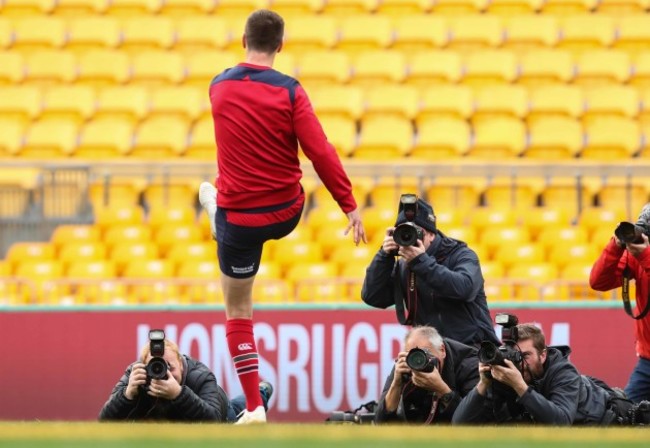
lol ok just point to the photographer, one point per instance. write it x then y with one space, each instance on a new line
430 377
186 391
534 383
627 256
437 280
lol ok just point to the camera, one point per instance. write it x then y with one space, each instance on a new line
157 367
629 233
421 360
364 414
489 353
408 233
639 414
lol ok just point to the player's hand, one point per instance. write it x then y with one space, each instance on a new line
137 378
359 234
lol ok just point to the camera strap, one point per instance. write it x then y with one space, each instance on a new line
434 407
625 294
405 307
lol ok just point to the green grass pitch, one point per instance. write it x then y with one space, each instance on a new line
156 435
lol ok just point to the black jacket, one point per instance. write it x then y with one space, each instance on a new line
201 399
560 397
460 372
449 286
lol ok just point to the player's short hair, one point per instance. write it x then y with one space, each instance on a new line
264 31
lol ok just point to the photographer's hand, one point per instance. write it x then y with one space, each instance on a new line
637 249
431 381
510 376
137 378
410 252
484 381
389 245
391 401
169 389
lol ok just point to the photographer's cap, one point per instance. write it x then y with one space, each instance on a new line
424 216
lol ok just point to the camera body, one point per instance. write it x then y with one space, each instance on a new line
639 414
408 233
351 417
489 353
629 233
157 367
421 360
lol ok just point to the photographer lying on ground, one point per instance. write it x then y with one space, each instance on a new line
436 281
524 381
430 377
165 385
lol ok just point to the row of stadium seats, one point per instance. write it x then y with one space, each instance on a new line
337 8
351 34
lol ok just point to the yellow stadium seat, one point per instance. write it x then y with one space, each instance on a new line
203 66
187 8
345 8
201 33
123 252
202 144
73 103
130 8
41 276
301 234
446 101
594 218
12 67
386 191
23 103
489 68
448 217
378 68
510 253
27 8
565 235
568 7
310 33
11 137
315 282
556 101
160 137
182 252
576 277
6 32
623 8
597 68
376 219
633 34
50 139
30 251
359 33
611 101
495 285
103 68
384 138
475 32
105 138
418 33
164 216
152 281
157 67
499 137
123 102
554 138
613 138
94 281
118 215
239 9
494 237
78 252
508 192
350 254
441 138
341 132
291 8
183 102
392 100
75 234
468 235
179 193
640 78
324 68
399 8
272 291
481 218
48 67
500 101
80 8
326 216
563 254
530 32
93 33
511 8
148 33
458 193
434 66
330 238
537 219
200 281
292 253
123 233
631 194
458 7
586 32
543 67
166 235
38 33
534 281
567 193
338 101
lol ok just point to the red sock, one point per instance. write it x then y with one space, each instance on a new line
241 343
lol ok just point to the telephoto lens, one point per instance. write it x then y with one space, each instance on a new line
421 360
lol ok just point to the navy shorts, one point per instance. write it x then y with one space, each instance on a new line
241 234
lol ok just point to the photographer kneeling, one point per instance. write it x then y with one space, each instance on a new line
524 381
429 379
166 385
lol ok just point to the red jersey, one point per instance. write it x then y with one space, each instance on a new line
260 116
607 274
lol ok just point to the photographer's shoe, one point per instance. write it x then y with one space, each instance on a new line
208 200
266 391
252 417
